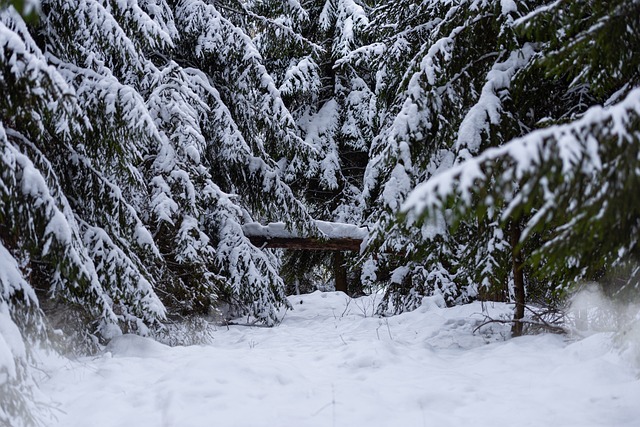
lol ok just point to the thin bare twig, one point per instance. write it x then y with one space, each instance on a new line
346 306
538 316
551 328
386 321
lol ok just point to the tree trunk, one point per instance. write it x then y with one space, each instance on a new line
340 272
518 280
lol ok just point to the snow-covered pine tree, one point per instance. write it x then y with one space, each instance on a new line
444 76
211 116
255 145
41 238
570 185
122 146
42 123
21 323
307 48
330 103
136 138
99 169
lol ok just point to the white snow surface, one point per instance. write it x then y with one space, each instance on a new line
330 363
331 230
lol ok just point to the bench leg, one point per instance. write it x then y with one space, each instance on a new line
340 271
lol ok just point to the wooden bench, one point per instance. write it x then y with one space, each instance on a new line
337 237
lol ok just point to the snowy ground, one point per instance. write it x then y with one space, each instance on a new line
331 364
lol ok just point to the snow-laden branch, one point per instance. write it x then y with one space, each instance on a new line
573 145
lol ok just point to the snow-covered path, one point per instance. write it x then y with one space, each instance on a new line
329 365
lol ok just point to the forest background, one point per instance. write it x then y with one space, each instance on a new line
491 148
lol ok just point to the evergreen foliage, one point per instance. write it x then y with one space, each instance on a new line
330 94
490 146
327 91
568 188
136 139
444 81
